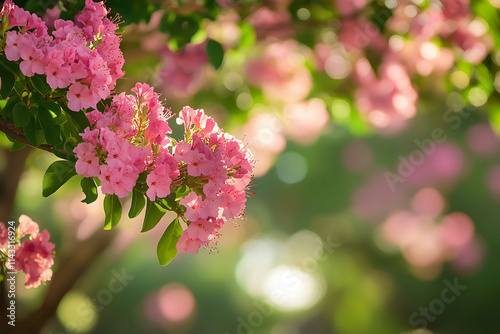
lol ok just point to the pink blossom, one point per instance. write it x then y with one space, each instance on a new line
14 41
87 163
33 61
160 179
198 234
57 76
194 205
79 97
27 226
35 258
198 163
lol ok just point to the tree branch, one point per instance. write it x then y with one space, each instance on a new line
18 134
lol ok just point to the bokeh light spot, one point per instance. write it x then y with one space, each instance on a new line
291 167
341 108
76 312
460 79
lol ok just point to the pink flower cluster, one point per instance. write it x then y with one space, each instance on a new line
218 169
131 137
83 55
119 144
388 100
427 238
34 256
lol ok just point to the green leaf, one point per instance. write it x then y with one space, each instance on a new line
112 211
247 35
21 115
169 202
40 84
16 146
79 119
30 130
138 202
6 112
166 249
55 109
10 66
89 188
51 130
182 191
8 81
154 212
215 53
56 175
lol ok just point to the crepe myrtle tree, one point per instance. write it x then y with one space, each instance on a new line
58 94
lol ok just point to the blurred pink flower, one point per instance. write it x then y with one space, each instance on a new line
428 202
455 9
358 34
4 236
183 72
357 157
493 180
225 29
389 100
441 168
280 72
271 24
374 200
263 135
471 40
304 121
425 58
27 226
348 7
424 239
172 304
481 139
334 61
471 256
51 15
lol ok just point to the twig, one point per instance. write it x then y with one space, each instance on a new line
18 134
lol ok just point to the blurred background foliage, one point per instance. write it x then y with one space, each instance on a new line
373 192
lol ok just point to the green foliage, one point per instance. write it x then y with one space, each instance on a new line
56 175
181 29
8 81
48 121
154 212
138 203
166 249
21 115
112 211
215 53
89 188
